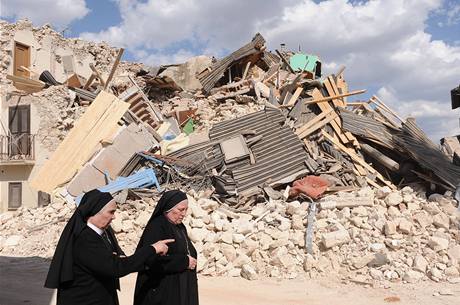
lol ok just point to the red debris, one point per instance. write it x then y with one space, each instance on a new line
312 186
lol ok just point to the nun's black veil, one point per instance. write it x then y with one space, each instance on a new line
167 201
61 268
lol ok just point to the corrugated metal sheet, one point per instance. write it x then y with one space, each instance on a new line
278 154
366 127
270 59
203 156
218 69
420 148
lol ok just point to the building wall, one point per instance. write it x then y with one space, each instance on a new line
17 173
20 172
42 57
46 55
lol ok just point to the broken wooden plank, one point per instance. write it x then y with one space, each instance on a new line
98 122
360 169
98 75
295 96
285 61
90 80
376 100
114 68
245 73
380 157
318 125
373 183
336 123
329 98
313 121
333 91
357 158
35 74
26 81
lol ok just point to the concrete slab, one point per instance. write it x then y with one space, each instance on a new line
87 179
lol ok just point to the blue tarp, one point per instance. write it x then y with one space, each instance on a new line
144 178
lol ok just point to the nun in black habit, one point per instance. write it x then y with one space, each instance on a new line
170 279
88 261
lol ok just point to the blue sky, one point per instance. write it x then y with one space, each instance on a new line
405 51
105 13
102 14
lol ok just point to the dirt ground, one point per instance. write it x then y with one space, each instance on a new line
22 278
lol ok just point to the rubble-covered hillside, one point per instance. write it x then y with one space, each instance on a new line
287 176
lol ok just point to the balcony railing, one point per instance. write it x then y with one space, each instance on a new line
17 147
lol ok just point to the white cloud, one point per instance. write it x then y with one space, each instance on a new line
57 12
383 43
159 58
450 13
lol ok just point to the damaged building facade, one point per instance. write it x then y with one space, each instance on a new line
27 136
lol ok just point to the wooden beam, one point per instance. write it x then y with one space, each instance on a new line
373 183
295 96
98 75
377 101
360 169
329 98
89 81
246 70
357 103
28 70
285 61
336 123
318 125
383 159
387 120
26 81
357 159
332 89
114 67
313 121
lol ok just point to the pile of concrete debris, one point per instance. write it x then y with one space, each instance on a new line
368 237
261 142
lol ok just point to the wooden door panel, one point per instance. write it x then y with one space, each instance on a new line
21 58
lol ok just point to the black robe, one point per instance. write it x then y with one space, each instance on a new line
97 269
167 280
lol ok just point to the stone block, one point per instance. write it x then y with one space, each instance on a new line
335 238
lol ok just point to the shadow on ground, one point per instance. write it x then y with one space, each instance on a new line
22 280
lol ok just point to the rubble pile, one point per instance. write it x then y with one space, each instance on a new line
286 176
55 105
368 236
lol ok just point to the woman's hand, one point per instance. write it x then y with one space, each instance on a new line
161 246
191 262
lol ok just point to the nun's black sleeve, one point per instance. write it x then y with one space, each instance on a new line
173 263
170 263
93 254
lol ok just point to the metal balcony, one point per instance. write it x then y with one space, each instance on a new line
17 148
